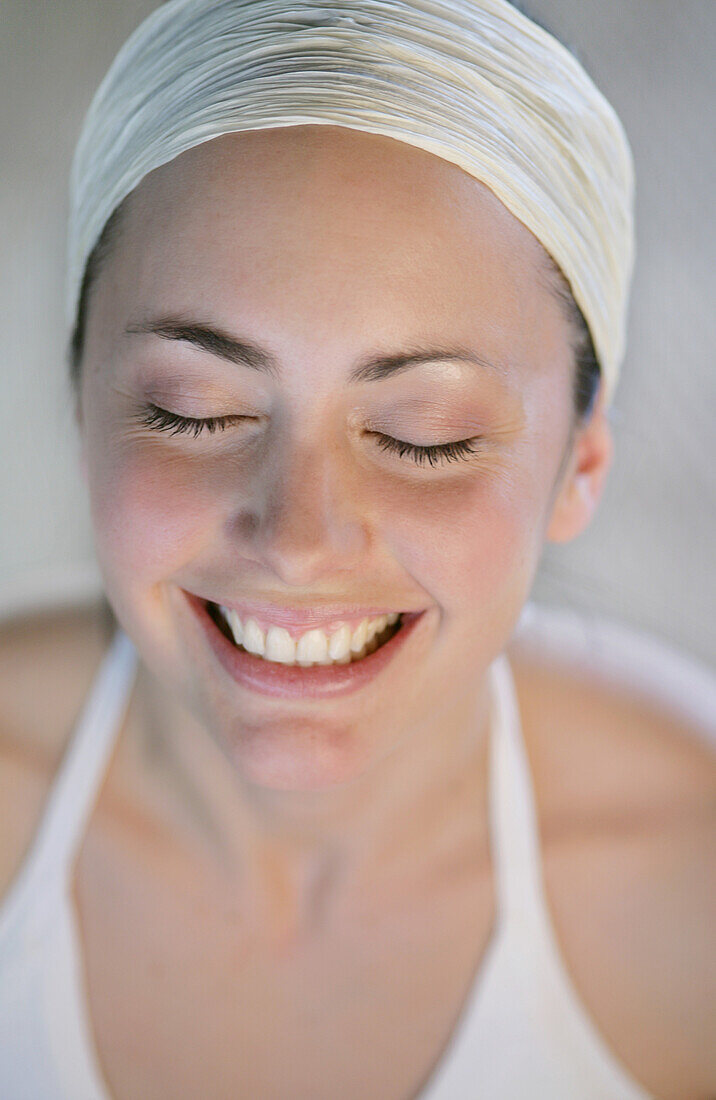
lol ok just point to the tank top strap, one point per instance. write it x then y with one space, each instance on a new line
514 829
79 776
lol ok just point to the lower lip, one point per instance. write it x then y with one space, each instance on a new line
291 681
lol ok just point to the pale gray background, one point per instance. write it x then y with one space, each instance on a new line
647 558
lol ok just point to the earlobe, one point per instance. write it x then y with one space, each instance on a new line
584 480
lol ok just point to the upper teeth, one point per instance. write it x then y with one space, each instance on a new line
313 647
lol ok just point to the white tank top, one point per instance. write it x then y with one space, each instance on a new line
522 1031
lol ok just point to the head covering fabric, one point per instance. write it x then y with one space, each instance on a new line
475 82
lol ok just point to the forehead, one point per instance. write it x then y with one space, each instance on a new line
321 229
327 191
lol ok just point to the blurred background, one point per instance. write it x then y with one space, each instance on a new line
647 559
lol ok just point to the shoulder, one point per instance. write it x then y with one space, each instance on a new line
625 788
47 663
611 729
601 745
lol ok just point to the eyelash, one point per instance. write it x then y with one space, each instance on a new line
438 453
162 420
461 449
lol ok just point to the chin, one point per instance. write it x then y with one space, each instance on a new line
295 758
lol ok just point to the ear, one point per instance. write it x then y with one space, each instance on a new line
584 478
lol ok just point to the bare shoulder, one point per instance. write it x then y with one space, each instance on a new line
47 663
626 800
598 746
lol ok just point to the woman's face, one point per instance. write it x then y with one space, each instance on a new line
324 246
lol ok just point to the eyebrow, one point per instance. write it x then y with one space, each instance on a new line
370 368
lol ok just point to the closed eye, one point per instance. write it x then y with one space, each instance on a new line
436 454
162 420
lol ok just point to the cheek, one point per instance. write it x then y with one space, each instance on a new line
152 511
476 545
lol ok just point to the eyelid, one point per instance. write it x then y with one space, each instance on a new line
436 453
159 419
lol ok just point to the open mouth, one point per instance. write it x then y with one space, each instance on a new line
360 646
339 670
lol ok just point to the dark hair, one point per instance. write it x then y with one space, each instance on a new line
95 263
587 373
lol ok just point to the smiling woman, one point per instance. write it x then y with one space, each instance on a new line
347 290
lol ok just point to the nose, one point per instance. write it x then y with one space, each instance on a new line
306 519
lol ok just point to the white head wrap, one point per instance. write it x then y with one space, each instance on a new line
472 81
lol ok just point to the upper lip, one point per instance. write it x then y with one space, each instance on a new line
305 618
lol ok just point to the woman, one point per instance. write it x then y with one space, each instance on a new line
344 346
